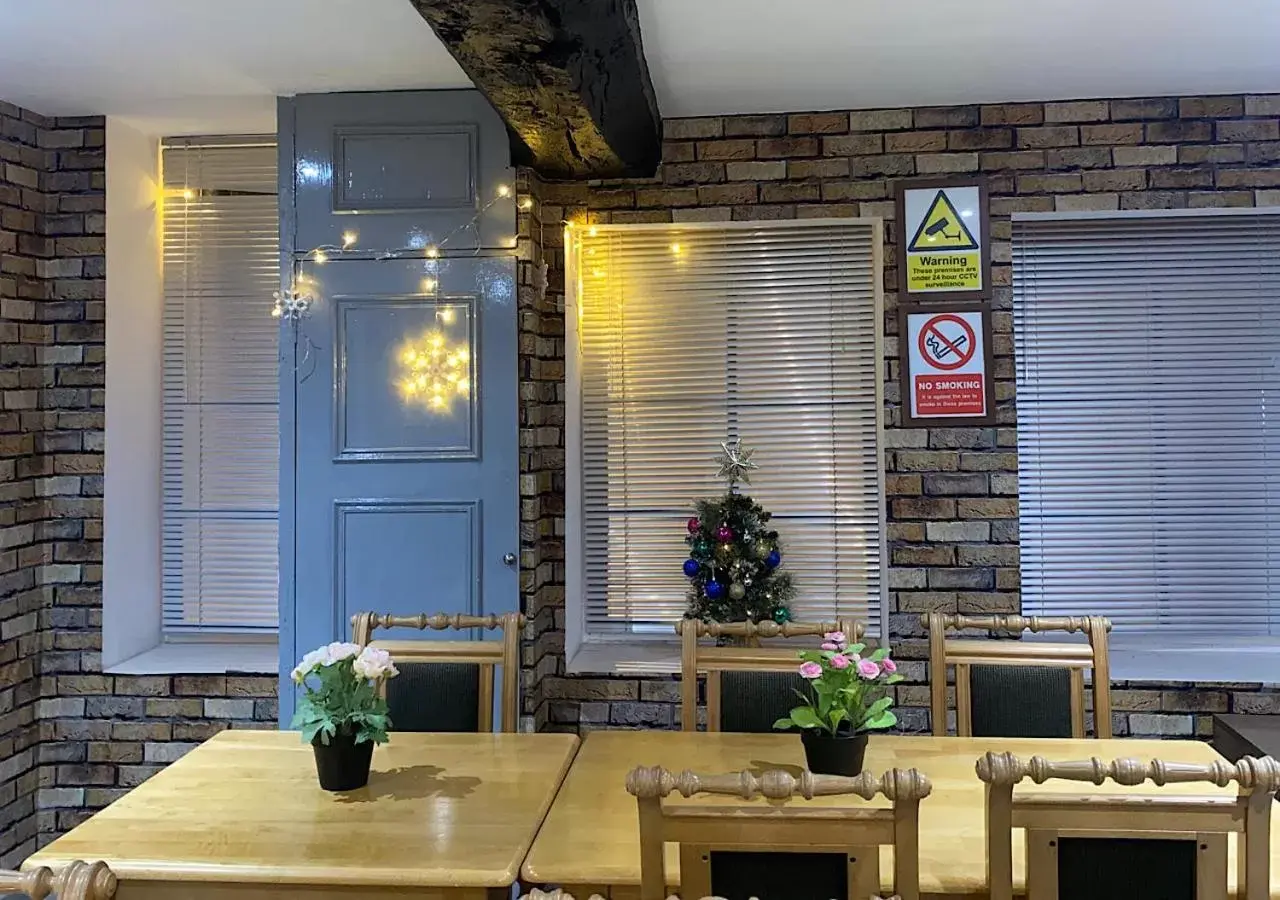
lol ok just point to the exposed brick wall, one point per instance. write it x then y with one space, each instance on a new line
952 492
71 738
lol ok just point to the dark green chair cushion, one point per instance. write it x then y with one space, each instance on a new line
753 701
435 697
1126 869
737 875
1020 701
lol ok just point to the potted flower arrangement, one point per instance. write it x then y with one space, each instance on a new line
341 713
846 701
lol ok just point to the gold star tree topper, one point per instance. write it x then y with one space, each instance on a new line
735 462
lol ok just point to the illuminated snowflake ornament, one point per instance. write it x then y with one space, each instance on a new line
291 305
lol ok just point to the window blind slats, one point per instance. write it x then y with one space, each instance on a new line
688 336
1148 403
220 389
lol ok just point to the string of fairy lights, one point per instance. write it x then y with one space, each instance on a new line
433 372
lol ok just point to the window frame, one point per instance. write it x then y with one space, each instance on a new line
133 642
638 654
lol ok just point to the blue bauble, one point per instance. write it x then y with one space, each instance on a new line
773 559
691 567
714 589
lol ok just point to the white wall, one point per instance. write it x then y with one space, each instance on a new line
131 528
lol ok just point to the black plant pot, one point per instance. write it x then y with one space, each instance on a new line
342 764
839 755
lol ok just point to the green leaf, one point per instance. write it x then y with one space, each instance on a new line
838 716
805 717
886 719
854 648
893 679
784 722
879 654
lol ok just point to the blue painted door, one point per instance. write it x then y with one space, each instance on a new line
401 485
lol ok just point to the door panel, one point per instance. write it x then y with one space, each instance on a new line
402 169
403 454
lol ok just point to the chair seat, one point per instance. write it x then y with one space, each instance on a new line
1020 701
752 701
741 875
435 697
1126 869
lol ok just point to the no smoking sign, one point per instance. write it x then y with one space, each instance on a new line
946 373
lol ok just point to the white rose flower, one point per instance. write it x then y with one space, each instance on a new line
374 663
338 651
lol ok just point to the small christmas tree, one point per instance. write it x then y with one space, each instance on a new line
733 553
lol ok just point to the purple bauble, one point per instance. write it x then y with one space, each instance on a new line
691 567
724 534
773 559
693 525
714 589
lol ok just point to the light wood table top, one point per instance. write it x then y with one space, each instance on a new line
440 810
591 836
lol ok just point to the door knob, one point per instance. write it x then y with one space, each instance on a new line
509 559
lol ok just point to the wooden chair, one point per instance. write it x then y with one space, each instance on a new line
1185 836
855 833
761 680
1013 688
76 881
455 678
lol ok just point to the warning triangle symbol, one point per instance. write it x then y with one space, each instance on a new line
942 228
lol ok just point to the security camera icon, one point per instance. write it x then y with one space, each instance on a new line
940 228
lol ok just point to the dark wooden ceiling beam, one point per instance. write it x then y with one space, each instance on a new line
568 76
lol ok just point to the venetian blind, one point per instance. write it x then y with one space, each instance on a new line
220 383
687 336
1148 438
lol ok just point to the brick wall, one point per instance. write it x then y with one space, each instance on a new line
952 492
71 738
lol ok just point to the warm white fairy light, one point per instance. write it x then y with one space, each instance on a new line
446 315
320 255
526 203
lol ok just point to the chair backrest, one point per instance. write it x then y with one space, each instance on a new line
746 656
75 881
484 655
699 829
1034 672
1200 823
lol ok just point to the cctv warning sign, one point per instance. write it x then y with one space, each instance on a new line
945 231
946 364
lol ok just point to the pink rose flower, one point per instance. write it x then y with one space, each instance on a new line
827 645
840 662
835 637
810 670
867 669
888 665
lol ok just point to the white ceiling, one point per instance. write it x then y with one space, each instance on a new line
189 66
212 66
720 56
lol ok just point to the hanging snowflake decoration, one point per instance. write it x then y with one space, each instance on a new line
291 305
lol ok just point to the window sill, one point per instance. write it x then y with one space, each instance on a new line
1195 658
251 658
602 658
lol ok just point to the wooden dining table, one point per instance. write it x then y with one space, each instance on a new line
242 817
590 840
